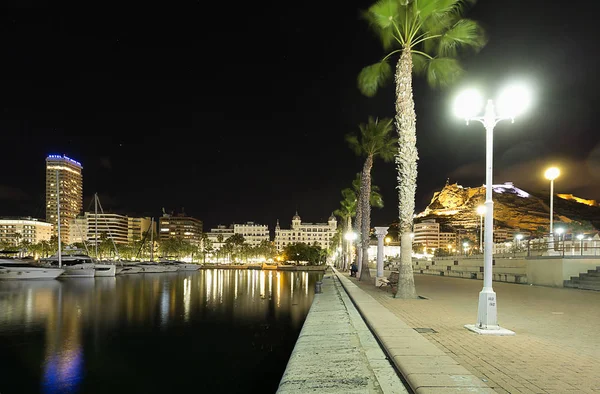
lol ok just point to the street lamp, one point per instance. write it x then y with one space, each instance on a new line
559 231
481 212
513 101
551 174
465 246
580 238
519 237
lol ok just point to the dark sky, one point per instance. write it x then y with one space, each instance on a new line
237 110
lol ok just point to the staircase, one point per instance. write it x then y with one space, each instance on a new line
587 281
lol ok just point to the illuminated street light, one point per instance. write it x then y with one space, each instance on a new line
551 174
512 101
350 236
388 240
481 212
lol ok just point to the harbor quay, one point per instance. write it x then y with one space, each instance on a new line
555 349
336 352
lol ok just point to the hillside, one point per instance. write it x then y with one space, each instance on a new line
456 206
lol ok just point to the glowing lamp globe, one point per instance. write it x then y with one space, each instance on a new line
481 210
559 230
513 101
350 236
552 173
468 104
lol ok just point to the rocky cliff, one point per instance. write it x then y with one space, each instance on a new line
456 206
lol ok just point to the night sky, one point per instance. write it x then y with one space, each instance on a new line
238 112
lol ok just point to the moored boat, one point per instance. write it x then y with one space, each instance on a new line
19 270
151 268
128 269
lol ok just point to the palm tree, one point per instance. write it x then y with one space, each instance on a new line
374 141
346 211
375 200
428 34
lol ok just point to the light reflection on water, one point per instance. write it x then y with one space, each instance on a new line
75 331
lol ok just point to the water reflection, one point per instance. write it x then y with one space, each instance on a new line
75 331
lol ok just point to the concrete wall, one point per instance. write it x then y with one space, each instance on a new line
554 271
548 271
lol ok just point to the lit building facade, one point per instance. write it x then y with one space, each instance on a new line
307 233
219 235
427 234
180 226
138 227
253 233
122 229
70 192
17 230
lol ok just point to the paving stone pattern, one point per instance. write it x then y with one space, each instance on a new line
556 348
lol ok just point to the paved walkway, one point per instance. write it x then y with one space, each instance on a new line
336 352
556 348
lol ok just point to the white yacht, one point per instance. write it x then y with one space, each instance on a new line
188 267
80 266
128 269
149 267
181 266
17 269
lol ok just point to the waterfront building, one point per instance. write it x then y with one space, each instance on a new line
253 233
180 226
427 234
13 231
137 227
70 192
307 233
221 232
121 228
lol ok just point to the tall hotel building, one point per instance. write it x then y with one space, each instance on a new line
70 192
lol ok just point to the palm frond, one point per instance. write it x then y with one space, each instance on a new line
419 63
465 33
376 200
443 71
354 144
373 77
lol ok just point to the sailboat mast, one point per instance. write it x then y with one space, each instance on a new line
96 222
58 222
152 239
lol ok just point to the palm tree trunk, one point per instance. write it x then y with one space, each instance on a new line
365 208
348 244
406 162
358 224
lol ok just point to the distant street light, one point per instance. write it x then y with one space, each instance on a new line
551 174
481 212
519 237
512 101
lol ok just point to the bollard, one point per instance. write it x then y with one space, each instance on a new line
318 287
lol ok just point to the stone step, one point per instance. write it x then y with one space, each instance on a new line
590 286
586 280
593 273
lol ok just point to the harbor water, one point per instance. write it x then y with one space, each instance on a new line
226 331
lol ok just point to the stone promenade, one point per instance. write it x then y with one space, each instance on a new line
556 348
336 352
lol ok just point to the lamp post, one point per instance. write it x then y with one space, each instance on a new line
468 105
519 237
551 174
481 212
350 236
580 238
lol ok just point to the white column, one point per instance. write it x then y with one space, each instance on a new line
381 232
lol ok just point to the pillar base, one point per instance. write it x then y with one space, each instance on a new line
487 318
487 331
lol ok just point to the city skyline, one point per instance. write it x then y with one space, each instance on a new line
157 122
